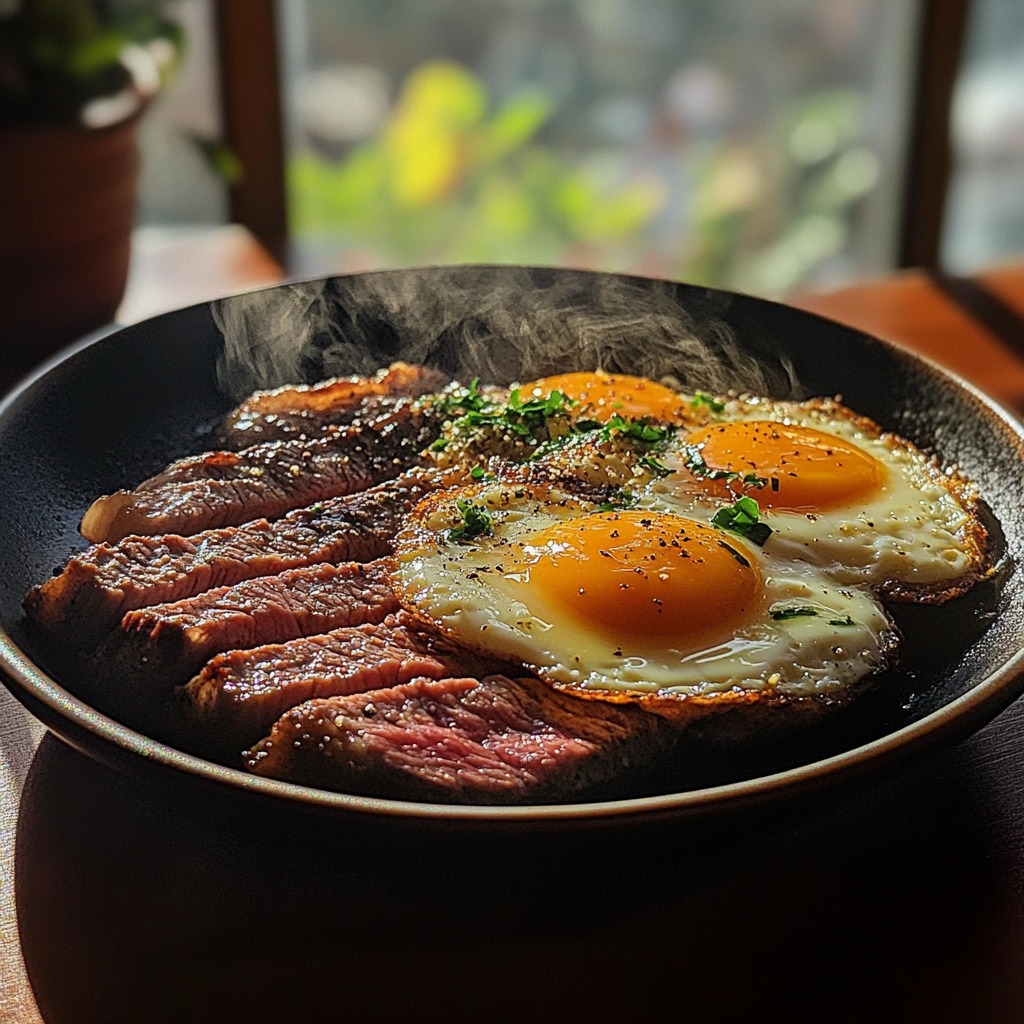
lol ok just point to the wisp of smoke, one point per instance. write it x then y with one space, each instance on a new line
498 323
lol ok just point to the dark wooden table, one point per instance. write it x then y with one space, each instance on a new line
898 898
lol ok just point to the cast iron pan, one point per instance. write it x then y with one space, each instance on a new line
118 407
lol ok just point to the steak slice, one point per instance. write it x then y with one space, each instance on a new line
265 480
164 645
309 409
239 694
97 586
495 740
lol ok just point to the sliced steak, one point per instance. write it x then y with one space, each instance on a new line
491 741
164 645
239 694
98 586
310 409
265 480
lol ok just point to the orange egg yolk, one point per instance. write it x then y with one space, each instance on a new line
604 395
643 577
805 469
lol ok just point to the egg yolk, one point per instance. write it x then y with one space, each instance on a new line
643 577
604 395
804 468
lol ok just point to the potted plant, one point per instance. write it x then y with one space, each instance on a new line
75 78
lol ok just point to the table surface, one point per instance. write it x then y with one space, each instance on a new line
893 900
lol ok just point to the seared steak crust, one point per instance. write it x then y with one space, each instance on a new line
494 740
166 644
241 693
98 586
265 480
310 409
247 593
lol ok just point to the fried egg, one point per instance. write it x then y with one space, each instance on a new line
835 491
634 605
489 425
601 396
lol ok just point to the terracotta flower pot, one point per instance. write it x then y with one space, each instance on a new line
67 202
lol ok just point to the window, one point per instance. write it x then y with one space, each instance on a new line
756 145
985 212
750 145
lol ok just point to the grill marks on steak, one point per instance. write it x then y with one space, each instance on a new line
265 480
166 644
494 740
97 587
311 409
239 694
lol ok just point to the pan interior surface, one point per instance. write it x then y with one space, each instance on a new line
125 405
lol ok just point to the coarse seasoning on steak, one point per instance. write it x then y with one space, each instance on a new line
239 694
248 593
266 480
98 586
495 740
161 646
311 409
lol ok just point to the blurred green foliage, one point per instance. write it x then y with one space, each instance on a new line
452 177
448 179
771 209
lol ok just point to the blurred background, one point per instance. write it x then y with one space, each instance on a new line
754 144
762 145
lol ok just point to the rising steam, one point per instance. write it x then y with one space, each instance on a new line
500 324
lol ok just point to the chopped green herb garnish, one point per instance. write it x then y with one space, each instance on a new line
793 613
478 472
844 621
735 554
743 518
656 466
519 417
476 520
638 431
703 398
799 610
748 507
635 430
553 444
618 500
529 420
466 400
541 408
695 462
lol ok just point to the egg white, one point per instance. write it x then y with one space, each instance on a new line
917 536
468 589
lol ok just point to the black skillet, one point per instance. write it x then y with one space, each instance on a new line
119 406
